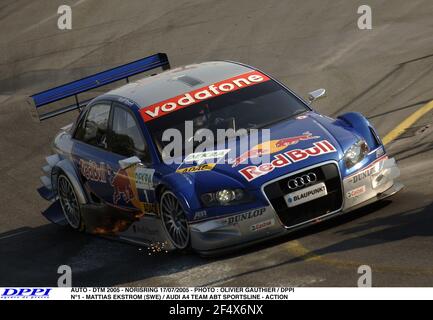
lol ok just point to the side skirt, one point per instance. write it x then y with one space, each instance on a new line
112 223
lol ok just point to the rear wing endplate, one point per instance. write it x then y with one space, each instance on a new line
72 89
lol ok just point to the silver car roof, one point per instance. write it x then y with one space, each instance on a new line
171 83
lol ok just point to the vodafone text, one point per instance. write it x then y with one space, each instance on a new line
226 86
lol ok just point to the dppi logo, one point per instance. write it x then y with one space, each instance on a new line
28 293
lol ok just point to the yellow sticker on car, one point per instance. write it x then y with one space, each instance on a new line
202 167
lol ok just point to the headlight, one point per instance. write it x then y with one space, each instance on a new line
355 153
225 197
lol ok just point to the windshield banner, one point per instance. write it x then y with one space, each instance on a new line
219 88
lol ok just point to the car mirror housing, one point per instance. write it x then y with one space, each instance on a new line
316 95
128 162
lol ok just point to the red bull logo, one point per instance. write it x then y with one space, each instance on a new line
122 186
93 171
287 158
272 146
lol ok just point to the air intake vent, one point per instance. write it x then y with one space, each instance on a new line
375 138
190 81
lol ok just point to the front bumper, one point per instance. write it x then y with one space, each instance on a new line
369 184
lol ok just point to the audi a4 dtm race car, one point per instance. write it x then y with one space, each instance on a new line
110 173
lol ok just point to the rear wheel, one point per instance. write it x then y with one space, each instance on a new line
174 220
69 201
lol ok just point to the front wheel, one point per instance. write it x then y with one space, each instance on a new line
69 201
174 220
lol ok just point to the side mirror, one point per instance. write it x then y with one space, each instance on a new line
128 162
316 95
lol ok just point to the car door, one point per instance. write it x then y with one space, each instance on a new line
91 155
108 133
132 186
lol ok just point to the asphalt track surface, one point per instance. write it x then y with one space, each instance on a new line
386 73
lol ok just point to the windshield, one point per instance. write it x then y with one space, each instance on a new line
259 106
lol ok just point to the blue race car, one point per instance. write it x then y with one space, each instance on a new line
116 172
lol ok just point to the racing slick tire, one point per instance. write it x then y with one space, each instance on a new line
174 220
69 202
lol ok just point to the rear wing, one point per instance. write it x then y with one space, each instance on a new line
72 89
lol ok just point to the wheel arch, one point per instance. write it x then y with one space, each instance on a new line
361 125
67 168
164 186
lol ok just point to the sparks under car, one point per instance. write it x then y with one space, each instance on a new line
109 173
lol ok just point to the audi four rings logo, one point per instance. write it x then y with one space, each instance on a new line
302 181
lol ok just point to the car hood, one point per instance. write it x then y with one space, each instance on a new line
305 140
